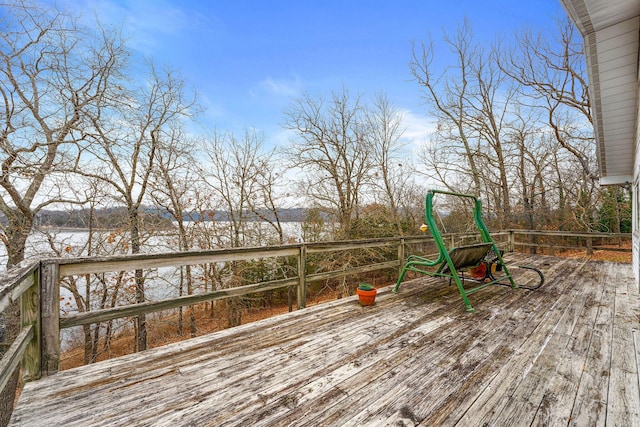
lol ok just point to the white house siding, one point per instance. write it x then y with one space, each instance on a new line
636 192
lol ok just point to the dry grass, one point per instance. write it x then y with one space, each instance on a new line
602 255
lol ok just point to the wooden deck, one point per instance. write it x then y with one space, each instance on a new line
566 354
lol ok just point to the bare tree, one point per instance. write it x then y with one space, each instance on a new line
51 75
333 151
88 292
496 113
474 103
551 73
171 188
449 101
535 187
554 73
123 139
384 130
270 198
238 173
229 176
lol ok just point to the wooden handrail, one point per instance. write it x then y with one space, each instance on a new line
15 282
13 357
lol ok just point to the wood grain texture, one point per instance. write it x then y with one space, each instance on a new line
566 354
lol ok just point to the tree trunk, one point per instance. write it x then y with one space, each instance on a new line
18 230
141 319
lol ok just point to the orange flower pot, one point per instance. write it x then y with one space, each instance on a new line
367 297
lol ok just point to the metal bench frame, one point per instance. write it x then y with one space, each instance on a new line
452 263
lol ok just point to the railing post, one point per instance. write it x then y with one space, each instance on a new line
401 256
533 240
30 316
512 241
302 277
589 246
50 317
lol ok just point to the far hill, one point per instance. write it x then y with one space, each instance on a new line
111 218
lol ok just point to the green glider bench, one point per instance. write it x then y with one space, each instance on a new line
482 262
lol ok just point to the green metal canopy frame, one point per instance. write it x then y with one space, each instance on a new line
452 263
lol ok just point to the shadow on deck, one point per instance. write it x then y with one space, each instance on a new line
566 354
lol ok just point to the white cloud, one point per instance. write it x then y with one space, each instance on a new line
282 87
282 137
146 23
213 110
418 128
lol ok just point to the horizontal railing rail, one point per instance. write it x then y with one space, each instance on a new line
36 286
551 241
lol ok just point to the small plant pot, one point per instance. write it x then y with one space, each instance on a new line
366 294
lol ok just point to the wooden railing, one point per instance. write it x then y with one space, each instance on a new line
44 278
554 242
37 285
20 285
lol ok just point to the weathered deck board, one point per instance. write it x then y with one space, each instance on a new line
555 408
476 352
622 408
565 354
504 393
592 393
480 392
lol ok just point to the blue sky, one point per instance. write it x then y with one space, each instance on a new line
249 59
